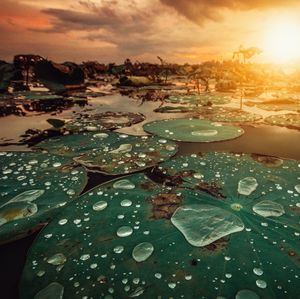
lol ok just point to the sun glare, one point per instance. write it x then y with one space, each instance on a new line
282 40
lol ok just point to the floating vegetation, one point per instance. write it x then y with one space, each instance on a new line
106 120
193 130
33 188
214 113
110 152
204 100
230 115
277 105
75 145
290 120
174 109
122 251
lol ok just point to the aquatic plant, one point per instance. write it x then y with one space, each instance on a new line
209 99
111 153
106 120
33 188
290 120
193 130
211 225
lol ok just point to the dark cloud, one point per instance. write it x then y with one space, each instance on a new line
200 11
107 16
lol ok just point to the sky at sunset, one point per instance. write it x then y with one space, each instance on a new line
177 30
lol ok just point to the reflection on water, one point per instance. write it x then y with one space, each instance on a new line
263 139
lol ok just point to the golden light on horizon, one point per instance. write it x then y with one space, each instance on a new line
282 40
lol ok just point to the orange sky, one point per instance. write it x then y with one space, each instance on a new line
177 30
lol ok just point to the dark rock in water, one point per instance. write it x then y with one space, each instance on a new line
8 73
59 77
8 109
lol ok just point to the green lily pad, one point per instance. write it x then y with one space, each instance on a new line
111 153
133 237
77 144
174 109
193 130
277 105
198 99
290 120
214 113
106 120
33 188
230 115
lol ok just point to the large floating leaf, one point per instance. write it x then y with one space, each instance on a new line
198 99
175 109
106 120
290 120
33 187
77 144
213 113
193 130
194 236
277 104
229 115
110 152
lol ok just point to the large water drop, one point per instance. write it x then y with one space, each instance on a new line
246 294
267 208
100 205
53 291
57 259
28 196
206 133
124 184
124 231
203 224
261 284
247 185
123 148
17 210
142 251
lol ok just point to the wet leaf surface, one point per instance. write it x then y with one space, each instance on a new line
122 251
193 130
290 120
33 188
112 153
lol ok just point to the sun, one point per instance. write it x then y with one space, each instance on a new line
282 40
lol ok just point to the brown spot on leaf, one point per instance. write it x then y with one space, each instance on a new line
164 205
292 253
216 247
161 177
148 186
211 188
268 161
